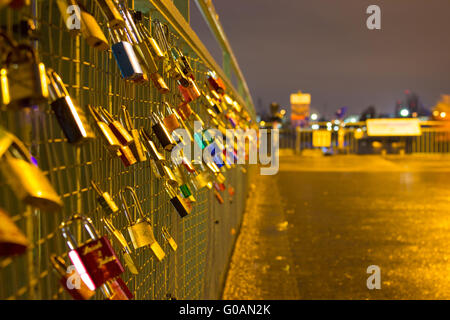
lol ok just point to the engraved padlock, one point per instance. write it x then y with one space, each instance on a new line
178 202
137 147
71 117
161 133
95 260
12 241
27 181
141 230
110 141
169 238
24 80
91 31
126 58
105 199
70 280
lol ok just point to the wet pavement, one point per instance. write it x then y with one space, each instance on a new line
311 231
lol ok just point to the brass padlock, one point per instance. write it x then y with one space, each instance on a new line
71 117
151 42
169 238
12 240
141 231
105 199
120 239
137 147
111 14
24 80
110 141
91 31
23 176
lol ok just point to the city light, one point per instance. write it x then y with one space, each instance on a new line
315 126
404 112
443 114
314 116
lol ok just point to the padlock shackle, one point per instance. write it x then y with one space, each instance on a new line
125 208
126 118
67 234
106 115
96 188
136 201
95 113
58 81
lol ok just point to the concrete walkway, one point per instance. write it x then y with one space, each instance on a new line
311 231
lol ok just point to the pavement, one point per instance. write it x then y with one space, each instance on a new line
312 230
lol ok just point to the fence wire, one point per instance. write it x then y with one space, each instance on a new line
204 237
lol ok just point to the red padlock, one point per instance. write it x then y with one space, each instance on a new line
117 290
95 260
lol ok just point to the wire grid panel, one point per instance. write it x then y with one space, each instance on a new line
92 77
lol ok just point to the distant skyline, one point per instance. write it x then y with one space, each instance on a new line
324 47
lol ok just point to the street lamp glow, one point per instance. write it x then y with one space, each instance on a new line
443 114
404 112
315 126
314 116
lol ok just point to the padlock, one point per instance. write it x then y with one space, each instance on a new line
91 31
110 141
215 83
161 133
80 293
151 42
126 58
158 161
105 199
177 202
169 238
23 79
111 14
95 260
183 62
193 90
170 120
71 118
127 156
144 51
12 241
185 191
116 127
185 111
117 290
141 231
26 180
137 147
120 239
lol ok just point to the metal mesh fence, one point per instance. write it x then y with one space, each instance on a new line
204 237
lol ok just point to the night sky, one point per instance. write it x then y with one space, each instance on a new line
324 47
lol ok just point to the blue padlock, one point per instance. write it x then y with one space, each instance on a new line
126 59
